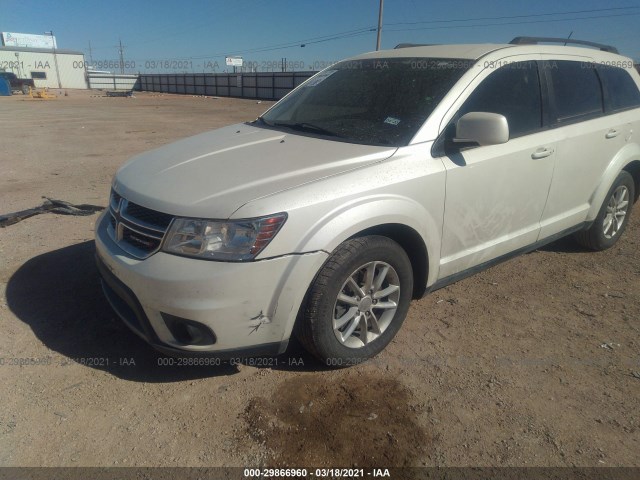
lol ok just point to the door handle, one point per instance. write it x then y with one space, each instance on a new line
612 133
542 153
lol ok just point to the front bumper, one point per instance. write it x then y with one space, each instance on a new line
250 308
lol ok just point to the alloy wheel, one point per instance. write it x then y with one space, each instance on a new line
366 304
616 211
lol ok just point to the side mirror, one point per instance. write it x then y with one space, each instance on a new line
482 128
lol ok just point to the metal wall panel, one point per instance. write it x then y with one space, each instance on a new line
115 82
261 85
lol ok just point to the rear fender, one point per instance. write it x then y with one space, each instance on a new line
626 155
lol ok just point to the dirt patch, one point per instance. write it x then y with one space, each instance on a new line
353 421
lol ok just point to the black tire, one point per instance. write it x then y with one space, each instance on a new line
315 327
595 237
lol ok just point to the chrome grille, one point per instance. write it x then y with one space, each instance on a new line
136 229
148 217
114 201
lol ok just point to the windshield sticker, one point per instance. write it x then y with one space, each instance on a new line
321 77
392 120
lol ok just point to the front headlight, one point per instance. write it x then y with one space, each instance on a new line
231 240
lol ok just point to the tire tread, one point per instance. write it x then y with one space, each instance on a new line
305 331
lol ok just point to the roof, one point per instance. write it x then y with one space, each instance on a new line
40 50
467 52
476 51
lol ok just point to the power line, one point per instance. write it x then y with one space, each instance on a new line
292 44
513 16
508 17
516 23
368 30
297 43
282 46
371 30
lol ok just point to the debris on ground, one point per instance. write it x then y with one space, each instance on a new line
120 93
614 295
50 205
584 312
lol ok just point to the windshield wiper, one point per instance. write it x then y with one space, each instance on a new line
307 127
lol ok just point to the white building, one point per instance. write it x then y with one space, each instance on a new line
51 68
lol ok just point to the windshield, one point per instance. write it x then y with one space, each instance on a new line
374 102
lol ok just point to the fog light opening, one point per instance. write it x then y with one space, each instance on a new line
188 332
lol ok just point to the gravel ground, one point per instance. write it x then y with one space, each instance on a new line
533 362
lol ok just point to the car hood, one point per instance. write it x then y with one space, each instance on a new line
213 174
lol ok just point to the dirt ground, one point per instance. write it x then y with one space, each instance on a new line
533 362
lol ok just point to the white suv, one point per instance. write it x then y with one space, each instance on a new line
381 178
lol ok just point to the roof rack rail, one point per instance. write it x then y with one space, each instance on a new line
409 45
537 40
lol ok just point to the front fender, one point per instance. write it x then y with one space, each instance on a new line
361 214
342 223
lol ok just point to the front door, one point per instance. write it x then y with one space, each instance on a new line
495 195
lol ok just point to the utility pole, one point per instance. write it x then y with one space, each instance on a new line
121 51
568 37
90 53
379 25
18 64
55 57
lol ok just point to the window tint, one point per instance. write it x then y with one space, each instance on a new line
576 89
621 90
39 75
513 91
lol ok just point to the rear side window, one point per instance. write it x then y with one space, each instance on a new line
513 91
622 92
576 90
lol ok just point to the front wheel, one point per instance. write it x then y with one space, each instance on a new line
613 216
357 302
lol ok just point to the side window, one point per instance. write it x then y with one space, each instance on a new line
513 91
622 91
576 89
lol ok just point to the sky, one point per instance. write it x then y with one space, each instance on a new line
196 35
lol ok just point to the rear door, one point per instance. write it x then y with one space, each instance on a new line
495 195
590 133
